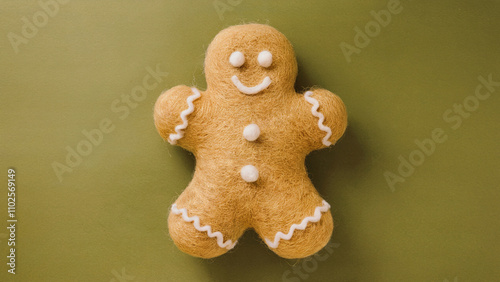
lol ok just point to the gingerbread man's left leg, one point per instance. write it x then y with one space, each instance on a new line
294 223
202 222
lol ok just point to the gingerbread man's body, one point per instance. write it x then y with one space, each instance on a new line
250 133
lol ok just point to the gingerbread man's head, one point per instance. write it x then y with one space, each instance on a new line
250 59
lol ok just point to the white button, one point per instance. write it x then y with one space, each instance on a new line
249 173
251 132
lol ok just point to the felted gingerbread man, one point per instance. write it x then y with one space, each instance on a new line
250 133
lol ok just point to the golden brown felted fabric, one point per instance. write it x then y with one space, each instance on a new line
283 195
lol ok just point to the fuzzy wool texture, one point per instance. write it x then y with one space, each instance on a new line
283 194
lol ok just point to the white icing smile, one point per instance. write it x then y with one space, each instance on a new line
251 90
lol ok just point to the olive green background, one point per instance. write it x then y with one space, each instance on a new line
107 218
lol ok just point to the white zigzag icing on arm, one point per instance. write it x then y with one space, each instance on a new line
179 129
314 111
302 226
207 228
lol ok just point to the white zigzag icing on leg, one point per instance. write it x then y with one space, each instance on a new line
302 226
179 129
207 228
314 111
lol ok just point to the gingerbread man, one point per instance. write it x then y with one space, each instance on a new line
250 133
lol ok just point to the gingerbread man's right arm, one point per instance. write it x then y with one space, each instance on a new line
324 117
174 110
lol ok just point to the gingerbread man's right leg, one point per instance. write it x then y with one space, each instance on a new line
292 219
203 223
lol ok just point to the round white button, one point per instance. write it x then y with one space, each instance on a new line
251 132
249 173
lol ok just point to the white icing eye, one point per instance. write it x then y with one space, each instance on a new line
265 58
237 59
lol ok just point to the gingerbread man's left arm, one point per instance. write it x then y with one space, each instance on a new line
174 110
323 116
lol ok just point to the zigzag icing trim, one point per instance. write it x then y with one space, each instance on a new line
179 129
314 111
302 226
207 228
